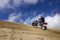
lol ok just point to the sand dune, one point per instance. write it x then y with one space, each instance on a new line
15 31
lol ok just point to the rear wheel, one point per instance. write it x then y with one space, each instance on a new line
44 27
34 24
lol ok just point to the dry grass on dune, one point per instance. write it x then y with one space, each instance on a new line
6 24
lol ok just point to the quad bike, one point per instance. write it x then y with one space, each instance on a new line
43 25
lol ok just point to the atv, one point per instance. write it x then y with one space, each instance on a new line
43 25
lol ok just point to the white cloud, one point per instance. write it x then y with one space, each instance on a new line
12 17
9 6
27 21
53 22
3 3
17 17
30 20
31 1
15 3
19 2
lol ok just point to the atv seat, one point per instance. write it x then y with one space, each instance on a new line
44 23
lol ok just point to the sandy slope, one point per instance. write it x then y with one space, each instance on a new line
14 31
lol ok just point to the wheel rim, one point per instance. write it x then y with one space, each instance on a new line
43 28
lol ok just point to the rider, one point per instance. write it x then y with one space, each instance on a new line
41 20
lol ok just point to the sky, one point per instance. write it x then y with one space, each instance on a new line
26 11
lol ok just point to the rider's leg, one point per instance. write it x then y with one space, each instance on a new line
41 24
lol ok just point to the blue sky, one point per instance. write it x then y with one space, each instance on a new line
23 11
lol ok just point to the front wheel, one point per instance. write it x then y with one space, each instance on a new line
44 27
